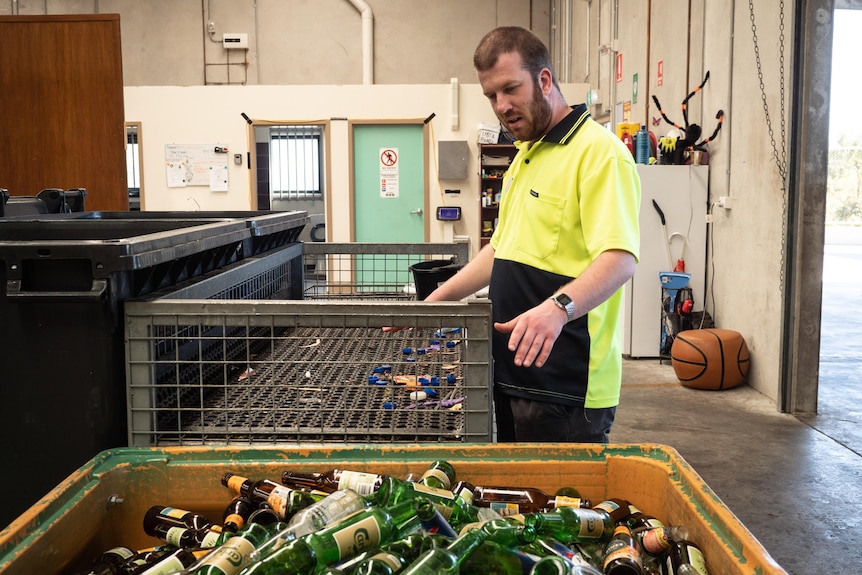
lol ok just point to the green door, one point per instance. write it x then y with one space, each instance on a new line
389 193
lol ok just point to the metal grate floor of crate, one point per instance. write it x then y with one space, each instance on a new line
312 385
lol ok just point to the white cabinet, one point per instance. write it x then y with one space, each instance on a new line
682 194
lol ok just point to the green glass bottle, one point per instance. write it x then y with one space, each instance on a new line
447 559
233 555
491 557
572 524
453 508
366 529
440 474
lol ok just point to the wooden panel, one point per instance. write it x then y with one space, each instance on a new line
62 116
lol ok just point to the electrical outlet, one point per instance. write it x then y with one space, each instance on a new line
723 202
709 218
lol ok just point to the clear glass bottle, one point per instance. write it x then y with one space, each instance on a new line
372 527
333 507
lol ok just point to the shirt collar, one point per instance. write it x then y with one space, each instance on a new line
565 129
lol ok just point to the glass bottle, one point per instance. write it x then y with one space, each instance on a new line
447 559
572 524
334 480
173 535
334 506
432 520
656 541
619 509
348 537
173 562
236 513
453 508
464 490
234 554
685 558
622 556
440 474
282 499
110 562
173 517
514 500
491 557
556 565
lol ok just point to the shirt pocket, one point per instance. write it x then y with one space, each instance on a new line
543 218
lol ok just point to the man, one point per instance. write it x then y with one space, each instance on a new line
566 241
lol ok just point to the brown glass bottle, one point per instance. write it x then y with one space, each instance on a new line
284 500
173 517
334 480
236 513
515 500
621 556
618 509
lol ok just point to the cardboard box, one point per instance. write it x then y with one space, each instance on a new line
82 517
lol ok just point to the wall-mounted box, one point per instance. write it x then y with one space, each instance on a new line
235 40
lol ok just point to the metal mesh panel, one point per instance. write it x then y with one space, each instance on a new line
231 371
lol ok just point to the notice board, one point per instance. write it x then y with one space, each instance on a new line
197 165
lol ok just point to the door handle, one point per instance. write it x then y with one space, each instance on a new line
417 212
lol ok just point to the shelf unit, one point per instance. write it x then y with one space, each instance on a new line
494 159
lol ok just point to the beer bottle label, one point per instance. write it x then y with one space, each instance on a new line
362 483
355 538
505 509
174 535
210 540
230 557
563 501
696 559
422 488
439 476
278 499
592 523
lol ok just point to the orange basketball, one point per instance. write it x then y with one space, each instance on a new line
710 358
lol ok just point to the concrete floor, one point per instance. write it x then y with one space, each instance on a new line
794 482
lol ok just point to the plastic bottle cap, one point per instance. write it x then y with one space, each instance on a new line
430 392
406 350
389 405
450 378
434 380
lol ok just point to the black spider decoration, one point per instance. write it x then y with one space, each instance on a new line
675 150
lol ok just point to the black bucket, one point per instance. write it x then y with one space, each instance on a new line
430 274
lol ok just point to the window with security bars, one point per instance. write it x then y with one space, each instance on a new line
295 162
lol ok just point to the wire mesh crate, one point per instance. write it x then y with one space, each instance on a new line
371 270
206 369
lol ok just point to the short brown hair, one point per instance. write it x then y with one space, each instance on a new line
506 39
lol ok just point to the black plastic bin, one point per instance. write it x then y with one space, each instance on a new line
63 282
430 274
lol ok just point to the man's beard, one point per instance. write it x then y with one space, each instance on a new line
539 116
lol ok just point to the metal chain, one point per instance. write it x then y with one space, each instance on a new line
779 157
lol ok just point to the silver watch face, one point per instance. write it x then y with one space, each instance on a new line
563 299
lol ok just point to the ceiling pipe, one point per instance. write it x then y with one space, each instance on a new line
367 40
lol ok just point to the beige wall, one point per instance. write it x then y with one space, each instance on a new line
306 56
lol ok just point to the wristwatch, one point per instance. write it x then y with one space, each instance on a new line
566 304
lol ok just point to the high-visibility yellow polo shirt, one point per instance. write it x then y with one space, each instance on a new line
572 195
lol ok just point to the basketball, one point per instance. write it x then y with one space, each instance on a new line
711 359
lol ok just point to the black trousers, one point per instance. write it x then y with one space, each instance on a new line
521 419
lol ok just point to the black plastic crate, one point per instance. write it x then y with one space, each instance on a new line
65 280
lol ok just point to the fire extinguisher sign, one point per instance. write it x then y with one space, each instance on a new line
388 172
619 68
